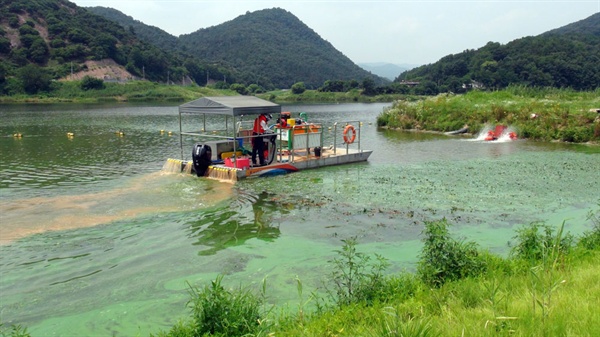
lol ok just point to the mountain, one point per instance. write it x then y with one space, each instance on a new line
150 34
386 70
567 57
273 47
270 47
59 40
589 26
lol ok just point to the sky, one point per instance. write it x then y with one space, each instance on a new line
390 31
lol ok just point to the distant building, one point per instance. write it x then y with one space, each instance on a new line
473 85
410 83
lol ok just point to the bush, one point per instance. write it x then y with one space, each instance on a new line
298 88
535 241
591 239
91 83
239 88
355 278
444 259
218 311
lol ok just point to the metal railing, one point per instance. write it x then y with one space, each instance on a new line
355 141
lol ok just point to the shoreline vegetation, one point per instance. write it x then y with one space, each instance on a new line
534 113
545 114
546 286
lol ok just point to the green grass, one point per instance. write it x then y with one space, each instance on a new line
558 114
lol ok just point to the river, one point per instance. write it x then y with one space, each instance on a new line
96 240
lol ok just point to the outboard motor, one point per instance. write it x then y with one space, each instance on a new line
202 158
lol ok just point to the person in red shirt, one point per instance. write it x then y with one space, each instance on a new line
258 144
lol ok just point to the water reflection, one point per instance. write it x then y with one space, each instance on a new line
246 217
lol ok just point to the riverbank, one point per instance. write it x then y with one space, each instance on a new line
544 114
314 96
145 91
539 114
135 91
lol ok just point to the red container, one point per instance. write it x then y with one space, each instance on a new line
242 163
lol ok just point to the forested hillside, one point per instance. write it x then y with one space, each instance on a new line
150 34
272 46
45 40
568 57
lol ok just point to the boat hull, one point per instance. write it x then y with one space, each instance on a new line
289 164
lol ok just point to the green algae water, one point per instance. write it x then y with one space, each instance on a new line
97 241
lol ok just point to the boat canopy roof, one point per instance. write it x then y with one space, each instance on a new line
230 106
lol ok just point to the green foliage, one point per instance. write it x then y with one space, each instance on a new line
395 325
591 238
368 86
223 312
298 88
38 52
562 58
91 83
239 88
4 45
74 34
445 259
259 45
255 89
34 79
180 329
534 242
355 278
559 114
13 331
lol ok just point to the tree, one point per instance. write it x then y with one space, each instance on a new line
368 86
333 86
255 89
4 45
38 52
298 88
240 88
34 79
2 77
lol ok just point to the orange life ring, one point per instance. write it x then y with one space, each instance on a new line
348 128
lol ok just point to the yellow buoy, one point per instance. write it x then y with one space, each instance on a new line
162 131
18 135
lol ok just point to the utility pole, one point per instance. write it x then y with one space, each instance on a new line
168 74
144 73
207 77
